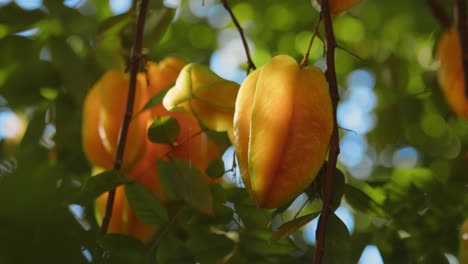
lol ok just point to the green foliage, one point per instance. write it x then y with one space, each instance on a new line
163 130
99 184
215 169
147 207
188 183
412 214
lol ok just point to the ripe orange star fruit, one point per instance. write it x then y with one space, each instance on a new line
282 128
123 220
163 74
192 143
210 98
450 74
103 113
339 6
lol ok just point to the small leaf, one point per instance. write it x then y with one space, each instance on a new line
110 22
122 249
338 188
173 250
361 201
337 240
259 241
292 226
164 130
99 184
166 173
10 14
157 23
191 186
209 248
216 168
147 207
157 99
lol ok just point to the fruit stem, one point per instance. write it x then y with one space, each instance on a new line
330 45
306 54
134 66
250 64
439 13
461 20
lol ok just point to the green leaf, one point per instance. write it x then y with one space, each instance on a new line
190 185
99 184
173 250
157 23
209 248
10 15
361 201
338 188
292 226
157 99
28 78
110 22
121 249
166 173
337 241
215 169
146 206
18 49
164 130
251 215
259 241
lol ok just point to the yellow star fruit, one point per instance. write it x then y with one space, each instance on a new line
282 127
209 97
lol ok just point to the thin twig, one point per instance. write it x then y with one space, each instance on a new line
330 45
461 20
439 13
349 52
250 64
134 66
174 146
306 54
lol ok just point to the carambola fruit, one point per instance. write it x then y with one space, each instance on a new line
282 128
450 74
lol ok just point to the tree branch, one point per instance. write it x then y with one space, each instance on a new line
439 13
330 45
134 67
250 63
461 21
306 54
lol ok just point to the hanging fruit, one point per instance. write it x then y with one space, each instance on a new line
209 97
450 74
282 127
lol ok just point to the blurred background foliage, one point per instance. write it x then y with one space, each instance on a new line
404 154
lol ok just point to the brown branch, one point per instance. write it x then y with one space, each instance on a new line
134 66
439 13
306 54
250 64
461 20
330 45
